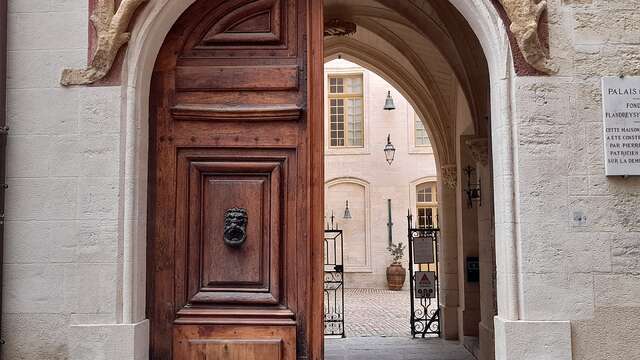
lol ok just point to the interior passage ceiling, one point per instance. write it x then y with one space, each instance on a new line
431 43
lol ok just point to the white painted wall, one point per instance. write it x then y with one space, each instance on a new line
382 181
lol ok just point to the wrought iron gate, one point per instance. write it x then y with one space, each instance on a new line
424 279
333 282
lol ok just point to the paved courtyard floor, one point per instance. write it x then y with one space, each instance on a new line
377 328
376 312
393 348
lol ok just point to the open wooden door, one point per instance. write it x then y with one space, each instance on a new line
235 203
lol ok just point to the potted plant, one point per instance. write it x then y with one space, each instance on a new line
396 274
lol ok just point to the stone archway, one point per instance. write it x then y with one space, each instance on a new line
156 20
383 43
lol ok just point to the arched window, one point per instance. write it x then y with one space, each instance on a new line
427 205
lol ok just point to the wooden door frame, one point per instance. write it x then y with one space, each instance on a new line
315 108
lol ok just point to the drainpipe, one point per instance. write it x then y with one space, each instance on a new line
3 132
390 223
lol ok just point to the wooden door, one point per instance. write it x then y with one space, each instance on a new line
235 202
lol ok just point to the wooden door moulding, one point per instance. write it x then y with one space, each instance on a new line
233 343
250 78
244 316
205 112
216 274
258 22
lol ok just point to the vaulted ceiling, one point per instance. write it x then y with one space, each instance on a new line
424 48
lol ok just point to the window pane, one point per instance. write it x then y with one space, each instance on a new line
336 85
356 133
425 217
421 136
424 193
354 85
336 112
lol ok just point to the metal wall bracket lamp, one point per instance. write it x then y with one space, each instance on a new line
473 190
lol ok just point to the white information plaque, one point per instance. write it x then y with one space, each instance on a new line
621 115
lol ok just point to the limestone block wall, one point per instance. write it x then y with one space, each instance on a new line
586 273
63 255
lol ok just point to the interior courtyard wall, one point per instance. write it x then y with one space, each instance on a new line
383 181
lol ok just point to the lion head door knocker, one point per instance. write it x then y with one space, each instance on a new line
235 227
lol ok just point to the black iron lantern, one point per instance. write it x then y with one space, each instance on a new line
389 150
473 189
347 212
388 104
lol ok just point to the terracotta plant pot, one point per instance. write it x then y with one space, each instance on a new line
396 275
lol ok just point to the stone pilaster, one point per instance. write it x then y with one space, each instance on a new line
449 290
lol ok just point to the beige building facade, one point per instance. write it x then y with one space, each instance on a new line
557 239
361 175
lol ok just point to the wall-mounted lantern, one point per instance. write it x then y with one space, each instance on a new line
389 150
388 104
347 212
473 189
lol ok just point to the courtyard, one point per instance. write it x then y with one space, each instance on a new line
377 327
393 348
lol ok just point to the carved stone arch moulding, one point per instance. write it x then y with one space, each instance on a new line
528 31
110 25
259 22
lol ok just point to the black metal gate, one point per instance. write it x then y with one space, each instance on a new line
423 284
333 282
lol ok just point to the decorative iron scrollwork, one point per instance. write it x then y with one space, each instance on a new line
235 227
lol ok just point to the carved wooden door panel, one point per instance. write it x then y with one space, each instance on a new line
235 160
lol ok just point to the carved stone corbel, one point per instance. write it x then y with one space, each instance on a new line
479 148
449 176
525 20
111 30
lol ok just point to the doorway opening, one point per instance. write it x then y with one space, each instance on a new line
407 131
379 166
227 109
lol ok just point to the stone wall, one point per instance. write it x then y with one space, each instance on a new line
587 273
62 269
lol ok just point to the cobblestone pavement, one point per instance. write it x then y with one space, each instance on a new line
377 328
394 348
376 312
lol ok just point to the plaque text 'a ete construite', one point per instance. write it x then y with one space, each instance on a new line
621 115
